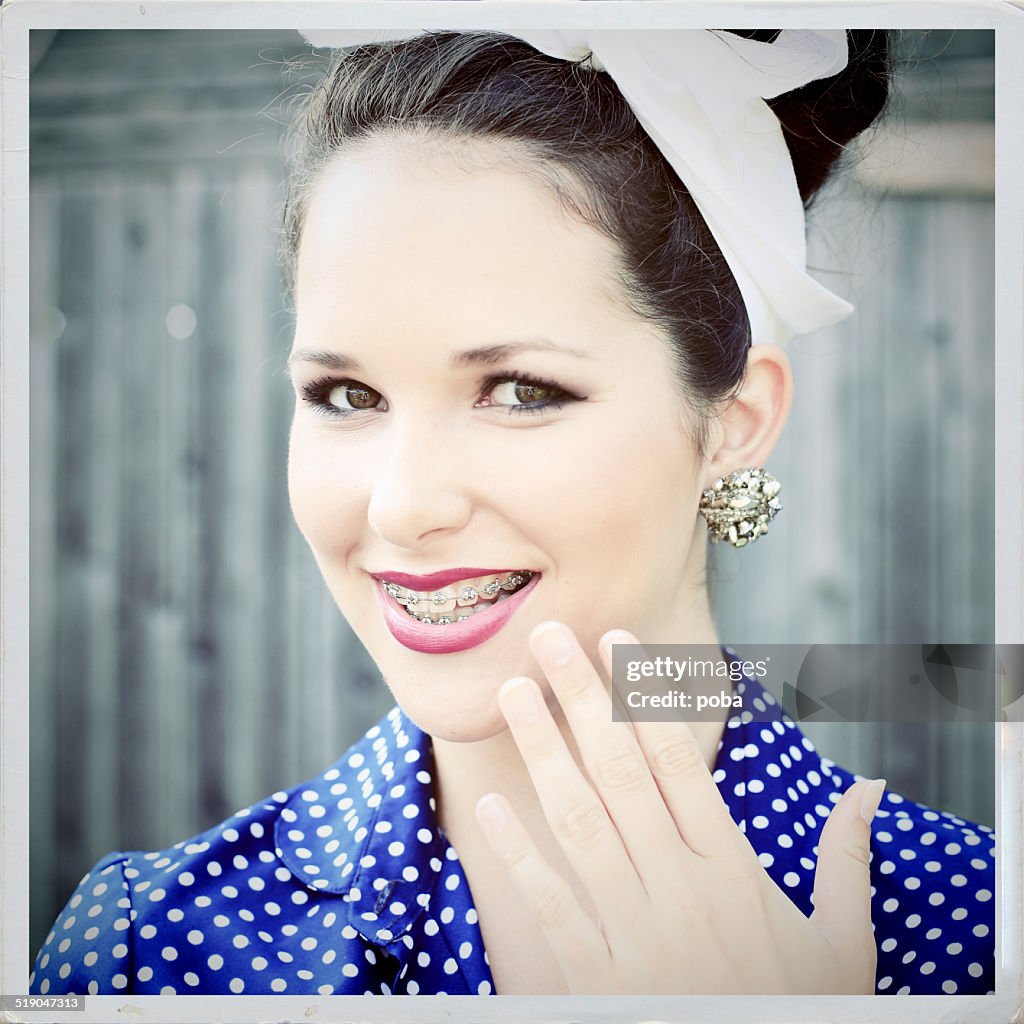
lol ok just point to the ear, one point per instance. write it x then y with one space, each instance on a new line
747 429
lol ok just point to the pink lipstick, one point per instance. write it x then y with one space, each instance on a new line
454 637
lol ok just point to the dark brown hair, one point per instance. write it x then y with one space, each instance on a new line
570 125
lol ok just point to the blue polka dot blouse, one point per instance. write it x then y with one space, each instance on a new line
346 884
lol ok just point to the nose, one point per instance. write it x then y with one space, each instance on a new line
418 488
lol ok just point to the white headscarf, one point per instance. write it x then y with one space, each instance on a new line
700 94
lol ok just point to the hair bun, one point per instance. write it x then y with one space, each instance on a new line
822 117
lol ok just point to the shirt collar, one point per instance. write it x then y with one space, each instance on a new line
366 830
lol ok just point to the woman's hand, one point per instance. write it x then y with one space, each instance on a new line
683 904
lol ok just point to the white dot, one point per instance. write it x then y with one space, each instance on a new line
191 978
759 821
975 970
927 967
195 936
258 963
350 970
236 985
90 958
119 981
120 950
791 878
180 321
145 973
169 953
888 945
981 930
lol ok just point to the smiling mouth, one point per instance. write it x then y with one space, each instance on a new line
459 601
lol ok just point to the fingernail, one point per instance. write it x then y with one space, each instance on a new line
491 814
553 645
520 701
870 799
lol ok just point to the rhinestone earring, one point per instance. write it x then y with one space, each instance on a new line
739 507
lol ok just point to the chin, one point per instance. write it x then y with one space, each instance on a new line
455 720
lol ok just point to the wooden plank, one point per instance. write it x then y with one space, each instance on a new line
101 611
73 404
931 158
46 326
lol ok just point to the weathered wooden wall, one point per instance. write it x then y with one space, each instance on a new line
186 656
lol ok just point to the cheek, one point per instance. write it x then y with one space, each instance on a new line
323 499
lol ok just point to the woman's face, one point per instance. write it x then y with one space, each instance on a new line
475 400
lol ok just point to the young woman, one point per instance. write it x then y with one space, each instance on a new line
539 284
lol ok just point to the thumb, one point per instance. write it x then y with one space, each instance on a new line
842 881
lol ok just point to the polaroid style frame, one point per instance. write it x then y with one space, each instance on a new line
18 17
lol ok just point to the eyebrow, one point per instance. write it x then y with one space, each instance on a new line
488 355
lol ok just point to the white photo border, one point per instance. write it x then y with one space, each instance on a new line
17 17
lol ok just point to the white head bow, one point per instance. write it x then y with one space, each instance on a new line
700 95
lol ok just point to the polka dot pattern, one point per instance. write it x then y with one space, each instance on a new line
346 885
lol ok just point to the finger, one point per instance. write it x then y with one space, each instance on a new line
610 753
842 880
578 819
682 777
576 942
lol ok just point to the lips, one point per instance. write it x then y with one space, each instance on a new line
451 637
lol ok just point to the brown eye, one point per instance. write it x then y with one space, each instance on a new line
529 393
520 392
352 395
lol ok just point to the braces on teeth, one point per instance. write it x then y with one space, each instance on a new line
465 598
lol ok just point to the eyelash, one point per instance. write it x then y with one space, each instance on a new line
315 394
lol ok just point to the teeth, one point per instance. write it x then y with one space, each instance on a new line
473 597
